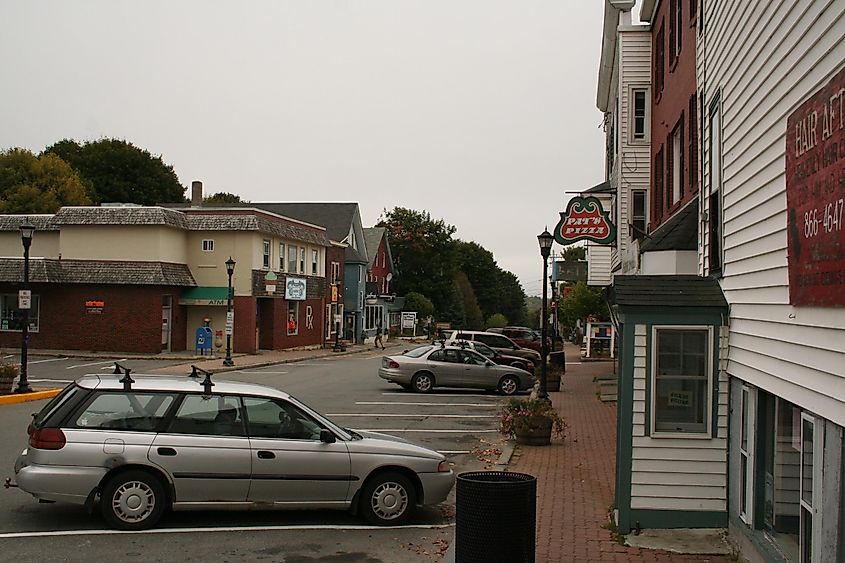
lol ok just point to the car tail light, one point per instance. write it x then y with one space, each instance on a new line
443 467
30 429
393 365
47 439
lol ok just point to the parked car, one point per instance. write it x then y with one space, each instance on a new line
442 365
498 357
526 337
158 443
498 342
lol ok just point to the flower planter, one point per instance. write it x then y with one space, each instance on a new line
534 431
8 374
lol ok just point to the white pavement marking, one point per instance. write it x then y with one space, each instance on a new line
95 364
8 356
49 360
427 404
405 393
49 380
420 415
59 533
452 452
461 431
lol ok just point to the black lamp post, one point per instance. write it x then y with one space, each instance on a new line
545 239
27 230
230 321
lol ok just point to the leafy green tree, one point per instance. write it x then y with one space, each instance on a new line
424 253
473 318
511 298
483 274
497 320
37 184
420 303
118 171
581 302
453 311
224 197
574 253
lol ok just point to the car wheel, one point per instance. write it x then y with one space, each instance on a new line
388 499
508 385
423 382
133 500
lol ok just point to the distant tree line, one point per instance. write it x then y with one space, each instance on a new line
460 279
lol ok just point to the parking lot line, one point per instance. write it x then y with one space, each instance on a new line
95 364
419 415
458 431
59 533
427 404
45 361
405 393
262 372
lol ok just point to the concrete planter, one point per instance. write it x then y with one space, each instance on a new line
534 431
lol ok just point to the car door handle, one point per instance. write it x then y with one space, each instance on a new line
166 451
264 454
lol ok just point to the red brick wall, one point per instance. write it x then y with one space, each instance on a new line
130 320
670 105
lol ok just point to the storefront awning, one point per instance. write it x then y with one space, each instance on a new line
205 296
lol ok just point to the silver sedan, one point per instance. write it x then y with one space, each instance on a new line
424 368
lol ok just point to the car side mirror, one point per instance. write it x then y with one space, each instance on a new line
327 437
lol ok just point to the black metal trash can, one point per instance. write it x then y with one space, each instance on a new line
495 517
558 359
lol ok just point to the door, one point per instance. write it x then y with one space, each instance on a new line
446 366
290 465
205 450
476 372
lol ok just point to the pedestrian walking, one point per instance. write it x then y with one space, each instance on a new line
378 342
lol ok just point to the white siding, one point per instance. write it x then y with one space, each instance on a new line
764 59
677 473
598 264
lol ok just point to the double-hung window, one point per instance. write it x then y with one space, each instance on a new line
315 262
292 254
208 245
681 385
302 260
639 115
265 263
281 257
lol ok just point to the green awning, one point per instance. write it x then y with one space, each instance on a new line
205 296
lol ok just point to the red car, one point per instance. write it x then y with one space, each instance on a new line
525 337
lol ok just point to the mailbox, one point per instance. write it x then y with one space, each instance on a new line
203 341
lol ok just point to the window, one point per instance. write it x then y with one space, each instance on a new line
207 245
639 115
301 259
218 416
315 254
274 418
292 254
659 54
638 214
714 207
335 272
281 257
748 415
293 318
125 411
266 254
675 166
657 174
681 390
675 25
692 148
693 9
373 317
11 318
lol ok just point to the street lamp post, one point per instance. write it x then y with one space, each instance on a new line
27 230
545 239
230 320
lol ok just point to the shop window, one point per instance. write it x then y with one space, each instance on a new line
208 245
292 254
748 415
315 256
293 318
281 257
11 318
266 255
373 317
681 395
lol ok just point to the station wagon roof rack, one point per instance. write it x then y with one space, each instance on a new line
126 379
206 383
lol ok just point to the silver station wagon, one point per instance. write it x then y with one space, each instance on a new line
137 446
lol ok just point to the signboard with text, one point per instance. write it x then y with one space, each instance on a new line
585 219
815 197
295 289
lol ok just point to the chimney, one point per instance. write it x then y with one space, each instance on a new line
196 193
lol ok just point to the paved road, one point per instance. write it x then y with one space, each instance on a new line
460 424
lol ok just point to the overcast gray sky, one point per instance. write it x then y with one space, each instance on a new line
481 112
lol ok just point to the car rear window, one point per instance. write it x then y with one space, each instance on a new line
124 411
68 396
417 352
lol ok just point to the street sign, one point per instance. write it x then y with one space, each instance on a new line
230 322
24 299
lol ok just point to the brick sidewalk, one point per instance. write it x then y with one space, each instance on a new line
575 479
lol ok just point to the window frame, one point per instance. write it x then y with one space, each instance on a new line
707 424
747 453
34 312
315 262
282 256
293 255
715 235
659 62
265 254
633 139
293 308
658 171
301 260
208 245
373 316
675 194
639 230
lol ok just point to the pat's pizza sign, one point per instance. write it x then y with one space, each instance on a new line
585 219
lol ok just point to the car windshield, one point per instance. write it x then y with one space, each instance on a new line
417 352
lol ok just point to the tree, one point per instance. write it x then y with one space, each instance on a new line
483 274
497 320
511 298
420 303
224 197
581 302
37 184
118 171
424 253
574 253
473 318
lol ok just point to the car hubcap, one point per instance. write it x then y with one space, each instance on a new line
509 386
389 501
133 501
423 383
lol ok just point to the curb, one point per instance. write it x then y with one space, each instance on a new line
16 398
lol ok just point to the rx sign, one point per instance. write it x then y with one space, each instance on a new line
585 220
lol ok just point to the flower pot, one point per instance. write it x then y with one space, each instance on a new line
534 431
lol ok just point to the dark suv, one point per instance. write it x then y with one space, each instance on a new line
498 342
525 337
